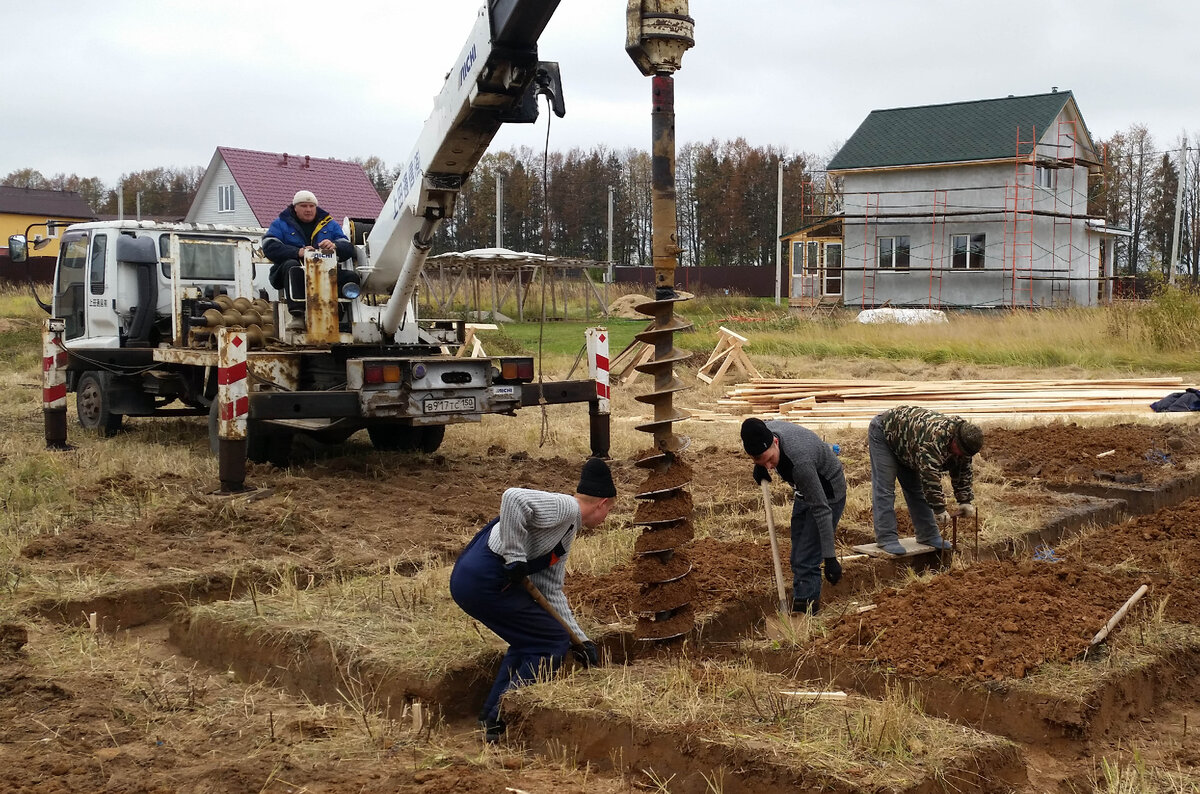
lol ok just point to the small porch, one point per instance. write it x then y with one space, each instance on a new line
815 272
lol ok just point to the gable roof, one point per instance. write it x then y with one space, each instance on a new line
268 180
64 204
985 129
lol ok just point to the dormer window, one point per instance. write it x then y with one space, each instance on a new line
225 198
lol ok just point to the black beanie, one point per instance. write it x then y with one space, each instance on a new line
596 480
756 436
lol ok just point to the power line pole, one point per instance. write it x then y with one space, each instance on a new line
1178 211
778 234
499 209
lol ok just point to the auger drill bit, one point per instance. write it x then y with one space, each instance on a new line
658 33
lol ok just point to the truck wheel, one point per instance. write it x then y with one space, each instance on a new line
402 438
92 405
431 438
393 438
266 444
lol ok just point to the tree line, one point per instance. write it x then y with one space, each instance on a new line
726 200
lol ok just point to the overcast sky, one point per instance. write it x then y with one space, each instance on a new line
103 88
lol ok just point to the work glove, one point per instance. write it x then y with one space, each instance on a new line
833 570
516 571
966 510
761 475
943 518
586 654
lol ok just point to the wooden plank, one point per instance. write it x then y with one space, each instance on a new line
911 549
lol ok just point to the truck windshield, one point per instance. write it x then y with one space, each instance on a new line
69 298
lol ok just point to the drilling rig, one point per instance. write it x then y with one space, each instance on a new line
658 33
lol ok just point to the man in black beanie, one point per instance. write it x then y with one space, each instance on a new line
810 466
530 538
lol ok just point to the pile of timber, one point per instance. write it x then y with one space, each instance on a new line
857 401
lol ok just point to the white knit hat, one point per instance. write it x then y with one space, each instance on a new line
303 196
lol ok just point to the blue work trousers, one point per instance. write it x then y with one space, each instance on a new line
536 641
806 549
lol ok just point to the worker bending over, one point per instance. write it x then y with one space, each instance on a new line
530 538
809 465
915 445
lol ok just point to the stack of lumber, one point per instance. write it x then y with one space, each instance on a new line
856 401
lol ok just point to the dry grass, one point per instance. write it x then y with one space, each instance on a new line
867 742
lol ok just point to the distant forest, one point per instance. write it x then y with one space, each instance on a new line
726 195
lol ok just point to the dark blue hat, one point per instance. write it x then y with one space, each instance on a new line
596 480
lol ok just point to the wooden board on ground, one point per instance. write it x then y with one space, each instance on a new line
911 549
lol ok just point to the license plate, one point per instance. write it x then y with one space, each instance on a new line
450 406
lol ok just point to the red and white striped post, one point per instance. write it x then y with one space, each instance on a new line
233 405
54 383
599 417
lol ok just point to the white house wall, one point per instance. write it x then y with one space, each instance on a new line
1029 259
206 207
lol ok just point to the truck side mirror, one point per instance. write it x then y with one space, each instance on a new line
18 249
137 250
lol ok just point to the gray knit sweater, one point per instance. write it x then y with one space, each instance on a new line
812 460
531 524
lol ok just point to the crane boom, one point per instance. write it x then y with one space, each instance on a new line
496 80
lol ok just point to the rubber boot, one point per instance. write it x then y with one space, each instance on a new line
802 606
890 545
493 730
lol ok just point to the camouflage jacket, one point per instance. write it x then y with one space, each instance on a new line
920 439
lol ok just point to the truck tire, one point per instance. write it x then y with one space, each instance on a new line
267 444
403 438
92 404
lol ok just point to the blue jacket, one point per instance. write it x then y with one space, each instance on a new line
285 238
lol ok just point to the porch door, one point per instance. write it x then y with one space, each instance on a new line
831 286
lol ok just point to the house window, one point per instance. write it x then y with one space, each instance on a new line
51 229
893 253
225 198
1043 177
797 258
812 264
968 250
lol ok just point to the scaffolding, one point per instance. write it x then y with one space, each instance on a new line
1066 156
870 252
937 247
1018 224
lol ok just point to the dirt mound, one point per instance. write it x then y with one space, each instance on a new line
623 307
1067 452
1033 612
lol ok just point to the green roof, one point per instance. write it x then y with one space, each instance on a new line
957 132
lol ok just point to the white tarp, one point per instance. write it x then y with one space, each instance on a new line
902 316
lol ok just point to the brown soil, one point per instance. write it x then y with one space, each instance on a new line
82 732
676 506
993 620
1067 452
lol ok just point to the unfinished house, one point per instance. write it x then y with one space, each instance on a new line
977 204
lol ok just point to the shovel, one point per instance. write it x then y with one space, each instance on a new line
544 604
783 602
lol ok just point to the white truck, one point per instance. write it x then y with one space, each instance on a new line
141 303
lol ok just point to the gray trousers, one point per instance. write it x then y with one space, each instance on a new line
886 469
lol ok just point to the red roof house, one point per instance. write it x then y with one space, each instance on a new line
249 188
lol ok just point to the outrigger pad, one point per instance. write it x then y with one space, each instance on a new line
911 549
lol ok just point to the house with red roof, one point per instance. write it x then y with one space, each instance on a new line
248 188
